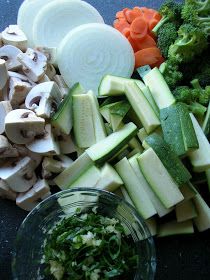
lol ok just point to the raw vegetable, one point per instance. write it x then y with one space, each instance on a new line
175 228
72 56
26 16
67 15
202 222
89 246
185 211
148 56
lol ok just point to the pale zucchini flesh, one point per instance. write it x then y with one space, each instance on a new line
136 192
141 106
175 228
202 221
159 179
185 211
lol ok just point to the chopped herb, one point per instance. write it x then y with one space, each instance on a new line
89 246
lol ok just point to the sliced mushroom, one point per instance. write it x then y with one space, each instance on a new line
46 145
3 79
44 79
6 149
44 99
61 84
66 144
6 192
56 164
19 176
14 36
22 77
31 198
1 43
23 151
51 71
5 108
50 53
22 126
34 64
18 91
9 54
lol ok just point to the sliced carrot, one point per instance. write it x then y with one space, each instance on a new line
130 15
158 63
152 23
133 44
126 32
147 42
157 16
148 56
124 12
120 15
138 28
121 24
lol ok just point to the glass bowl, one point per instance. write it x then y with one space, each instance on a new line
28 249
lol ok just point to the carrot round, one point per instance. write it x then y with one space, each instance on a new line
126 32
131 15
139 28
147 42
121 24
133 44
120 15
152 23
148 56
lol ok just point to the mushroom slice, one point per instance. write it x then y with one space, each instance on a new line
44 99
19 175
61 84
50 53
56 164
34 64
44 79
22 126
1 43
23 151
46 145
14 36
18 91
66 144
9 54
51 71
21 77
6 149
3 79
6 192
5 108
31 198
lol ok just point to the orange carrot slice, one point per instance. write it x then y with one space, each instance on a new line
126 32
138 28
120 15
132 14
152 23
148 56
147 42
121 24
133 44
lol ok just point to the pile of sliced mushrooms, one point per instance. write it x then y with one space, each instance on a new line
32 152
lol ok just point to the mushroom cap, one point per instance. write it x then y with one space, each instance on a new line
22 126
9 54
44 99
13 35
45 145
5 108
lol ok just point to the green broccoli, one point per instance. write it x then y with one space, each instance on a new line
191 41
170 11
190 95
167 35
197 12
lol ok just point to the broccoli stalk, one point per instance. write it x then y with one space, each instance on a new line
170 11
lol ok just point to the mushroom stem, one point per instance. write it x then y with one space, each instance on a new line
3 79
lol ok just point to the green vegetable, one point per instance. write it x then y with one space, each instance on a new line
89 246
171 72
191 41
167 35
197 12
170 11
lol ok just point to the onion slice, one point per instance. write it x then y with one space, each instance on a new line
26 15
91 51
57 18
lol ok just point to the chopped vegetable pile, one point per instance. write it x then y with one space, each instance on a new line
72 116
89 246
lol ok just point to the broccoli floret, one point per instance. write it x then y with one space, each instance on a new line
171 73
170 11
191 41
204 78
190 95
197 12
167 35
